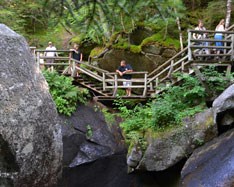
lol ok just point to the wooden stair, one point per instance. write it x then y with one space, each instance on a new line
92 86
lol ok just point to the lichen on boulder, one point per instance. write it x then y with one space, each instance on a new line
28 117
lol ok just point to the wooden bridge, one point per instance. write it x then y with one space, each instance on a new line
104 84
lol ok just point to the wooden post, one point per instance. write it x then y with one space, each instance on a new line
116 85
73 72
189 45
156 84
104 81
171 69
228 73
145 84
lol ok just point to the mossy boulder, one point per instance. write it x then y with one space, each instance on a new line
170 147
139 34
139 61
152 49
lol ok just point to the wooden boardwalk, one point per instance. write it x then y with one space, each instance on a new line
104 84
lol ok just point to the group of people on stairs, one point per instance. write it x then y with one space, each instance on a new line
218 36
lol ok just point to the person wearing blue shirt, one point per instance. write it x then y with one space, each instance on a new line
123 71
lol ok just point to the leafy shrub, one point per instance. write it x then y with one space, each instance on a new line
64 94
166 110
215 80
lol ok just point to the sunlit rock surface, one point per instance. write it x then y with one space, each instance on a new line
30 137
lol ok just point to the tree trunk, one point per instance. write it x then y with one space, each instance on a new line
228 13
180 32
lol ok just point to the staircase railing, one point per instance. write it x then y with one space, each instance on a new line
206 48
182 61
164 72
117 82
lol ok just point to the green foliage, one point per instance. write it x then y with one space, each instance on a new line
96 51
158 38
64 94
89 131
122 44
168 109
216 81
109 117
135 48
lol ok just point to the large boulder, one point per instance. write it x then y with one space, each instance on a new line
224 108
169 148
152 56
211 164
30 137
88 137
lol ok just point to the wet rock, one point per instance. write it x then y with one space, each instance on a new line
171 147
211 164
30 137
134 157
108 171
88 137
224 109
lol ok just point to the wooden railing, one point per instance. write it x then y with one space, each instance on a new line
195 52
183 60
117 82
175 64
109 80
205 47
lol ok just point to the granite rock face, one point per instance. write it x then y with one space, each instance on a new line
224 108
87 137
211 164
29 133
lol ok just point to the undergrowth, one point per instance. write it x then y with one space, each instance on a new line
167 110
65 95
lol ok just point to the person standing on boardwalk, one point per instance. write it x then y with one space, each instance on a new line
123 71
50 53
75 54
219 36
203 35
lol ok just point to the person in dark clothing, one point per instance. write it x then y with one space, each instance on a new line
123 71
76 55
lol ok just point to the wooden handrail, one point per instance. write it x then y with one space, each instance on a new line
130 73
210 31
179 62
168 61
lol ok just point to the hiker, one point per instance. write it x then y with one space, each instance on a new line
201 27
123 71
76 54
219 36
50 53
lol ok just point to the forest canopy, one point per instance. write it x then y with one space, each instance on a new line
99 20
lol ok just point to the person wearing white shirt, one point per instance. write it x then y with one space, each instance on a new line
50 52
203 35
